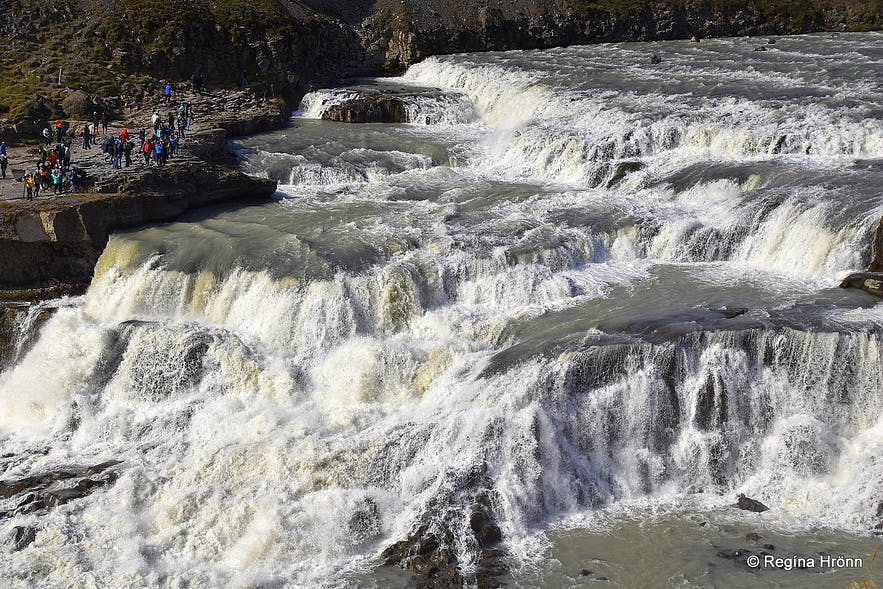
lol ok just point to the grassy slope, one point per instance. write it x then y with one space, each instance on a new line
154 40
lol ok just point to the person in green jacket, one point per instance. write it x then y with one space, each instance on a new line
56 179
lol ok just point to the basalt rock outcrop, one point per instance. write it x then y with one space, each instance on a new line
382 108
872 280
434 553
37 494
49 248
58 242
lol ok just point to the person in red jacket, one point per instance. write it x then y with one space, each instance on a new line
146 149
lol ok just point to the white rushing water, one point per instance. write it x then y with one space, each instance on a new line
528 299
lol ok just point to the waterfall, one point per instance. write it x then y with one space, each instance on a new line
572 285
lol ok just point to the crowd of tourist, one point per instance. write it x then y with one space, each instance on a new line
54 172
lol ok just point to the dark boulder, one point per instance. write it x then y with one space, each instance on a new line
749 504
382 108
78 102
877 250
760 48
655 58
622 170
870 282
40 492
429 551
22 537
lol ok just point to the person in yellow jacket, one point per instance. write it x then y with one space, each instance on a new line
29 186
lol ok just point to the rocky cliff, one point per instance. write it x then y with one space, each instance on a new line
76 55
57 243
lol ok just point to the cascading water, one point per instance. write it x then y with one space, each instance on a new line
584 293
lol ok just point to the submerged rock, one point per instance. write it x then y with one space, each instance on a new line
654 59
749 504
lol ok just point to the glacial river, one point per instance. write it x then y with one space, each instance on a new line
597 296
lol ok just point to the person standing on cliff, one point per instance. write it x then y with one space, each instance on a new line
74 177
57 177
29 186
127 150
2 148
59 131
104 121
168 93
146 149
173 144
4 163
87 137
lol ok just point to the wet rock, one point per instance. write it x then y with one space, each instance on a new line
749 504
45 491
585 573
731 312
880 509
752 537
780 144
486 531
738 554
870 282
622 170
429 551
655 58
694 39
769 546
771 41
22 537
760 48
381 108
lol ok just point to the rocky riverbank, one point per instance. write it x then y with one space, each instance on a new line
870 281
49 246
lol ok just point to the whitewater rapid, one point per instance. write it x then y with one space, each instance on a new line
577 283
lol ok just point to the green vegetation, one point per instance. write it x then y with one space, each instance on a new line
127 49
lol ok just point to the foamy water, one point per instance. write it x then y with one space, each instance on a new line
525 294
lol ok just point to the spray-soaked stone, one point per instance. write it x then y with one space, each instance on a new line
749 504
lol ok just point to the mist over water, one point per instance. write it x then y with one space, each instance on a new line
599 293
